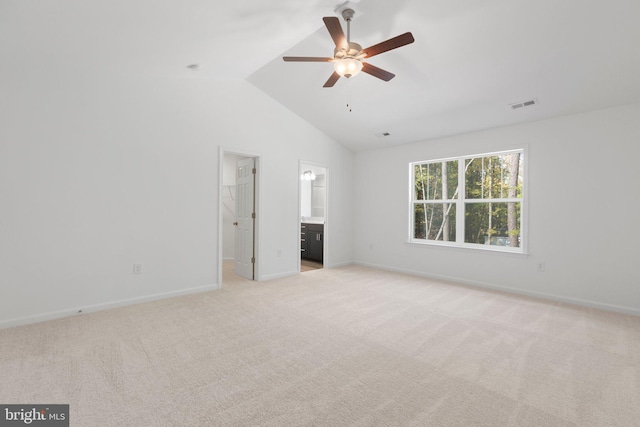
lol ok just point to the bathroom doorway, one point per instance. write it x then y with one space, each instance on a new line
313 216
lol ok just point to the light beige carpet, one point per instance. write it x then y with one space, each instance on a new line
331 347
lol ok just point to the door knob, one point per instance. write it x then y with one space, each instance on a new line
235 223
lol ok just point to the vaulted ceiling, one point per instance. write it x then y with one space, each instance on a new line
470 60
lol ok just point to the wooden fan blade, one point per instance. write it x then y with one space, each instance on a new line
306 59
332 80
335 29
387 45
377 72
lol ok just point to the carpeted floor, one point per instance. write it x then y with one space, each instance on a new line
331 347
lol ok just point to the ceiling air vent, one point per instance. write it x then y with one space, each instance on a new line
523 104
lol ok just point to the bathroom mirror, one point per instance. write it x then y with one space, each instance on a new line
312 193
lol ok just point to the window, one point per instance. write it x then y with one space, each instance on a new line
472 201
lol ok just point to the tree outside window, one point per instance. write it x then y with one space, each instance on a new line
470 200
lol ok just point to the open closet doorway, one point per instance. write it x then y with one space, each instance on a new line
313 216
238 217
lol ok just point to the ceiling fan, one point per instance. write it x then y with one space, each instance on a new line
348 56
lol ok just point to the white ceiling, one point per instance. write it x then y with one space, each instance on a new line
471 58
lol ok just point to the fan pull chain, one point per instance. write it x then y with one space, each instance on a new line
349 102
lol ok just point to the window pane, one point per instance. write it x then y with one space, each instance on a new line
495 224
432 180
428 221
494 177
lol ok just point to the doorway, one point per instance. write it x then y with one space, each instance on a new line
238 219
313 216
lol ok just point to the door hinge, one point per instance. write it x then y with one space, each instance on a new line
253 215
253 260
253 171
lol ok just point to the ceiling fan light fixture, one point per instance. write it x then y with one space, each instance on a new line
347 67
347 55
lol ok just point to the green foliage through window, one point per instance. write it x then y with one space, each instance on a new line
469 200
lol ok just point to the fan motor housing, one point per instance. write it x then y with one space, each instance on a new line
354 50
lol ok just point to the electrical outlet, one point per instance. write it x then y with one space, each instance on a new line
540 266
137 268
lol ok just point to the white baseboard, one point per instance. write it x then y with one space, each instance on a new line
103 306
542 295
277 276
340 264
292 273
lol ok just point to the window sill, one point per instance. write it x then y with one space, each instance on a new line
470 247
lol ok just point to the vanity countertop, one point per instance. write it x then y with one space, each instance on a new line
312 220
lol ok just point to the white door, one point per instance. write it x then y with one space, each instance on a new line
245 214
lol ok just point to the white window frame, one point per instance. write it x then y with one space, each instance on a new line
461 201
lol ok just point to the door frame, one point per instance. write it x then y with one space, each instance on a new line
257 208
326 235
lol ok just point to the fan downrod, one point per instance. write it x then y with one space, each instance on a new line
348 15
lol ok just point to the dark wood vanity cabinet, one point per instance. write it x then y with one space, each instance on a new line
312 241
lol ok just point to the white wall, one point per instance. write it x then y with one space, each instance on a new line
98 173
583 210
